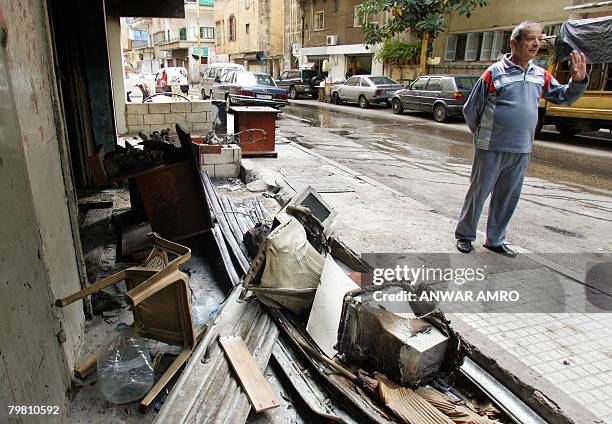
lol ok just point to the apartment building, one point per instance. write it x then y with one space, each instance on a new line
470 45
251 33
332 38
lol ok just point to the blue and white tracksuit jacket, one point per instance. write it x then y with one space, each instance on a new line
502 110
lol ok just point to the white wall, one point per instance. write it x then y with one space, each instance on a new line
115 53
38 259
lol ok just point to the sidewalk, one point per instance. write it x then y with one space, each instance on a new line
565 357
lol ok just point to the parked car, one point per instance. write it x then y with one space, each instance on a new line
442 95
212 75
365 89
249 88
301 81
173 74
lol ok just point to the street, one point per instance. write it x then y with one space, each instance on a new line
566 204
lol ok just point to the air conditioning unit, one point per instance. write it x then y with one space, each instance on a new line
331 40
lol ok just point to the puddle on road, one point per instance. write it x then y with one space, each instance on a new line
424 142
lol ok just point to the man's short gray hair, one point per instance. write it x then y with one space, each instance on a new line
517 33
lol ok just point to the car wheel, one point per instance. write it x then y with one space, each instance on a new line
336 98
397 107
440 113
293 93
363 102
567 130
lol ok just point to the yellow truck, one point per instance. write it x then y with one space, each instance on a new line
593 111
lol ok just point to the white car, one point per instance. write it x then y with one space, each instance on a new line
172 75
212 75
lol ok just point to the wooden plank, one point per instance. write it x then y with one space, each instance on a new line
253 382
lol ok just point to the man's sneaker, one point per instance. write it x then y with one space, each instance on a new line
464 245
502 249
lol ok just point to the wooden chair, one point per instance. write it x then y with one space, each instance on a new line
161 303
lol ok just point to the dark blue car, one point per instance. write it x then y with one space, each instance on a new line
249 88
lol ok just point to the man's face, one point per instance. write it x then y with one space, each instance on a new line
527 47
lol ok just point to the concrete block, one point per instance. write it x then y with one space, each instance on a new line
180 107
154 118
159 107
137 108
201 106
174 118
196 117
208 168
230 170
135 120
202 127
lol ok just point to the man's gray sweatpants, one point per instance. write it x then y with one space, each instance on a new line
501 174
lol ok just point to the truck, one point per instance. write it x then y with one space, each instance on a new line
593 111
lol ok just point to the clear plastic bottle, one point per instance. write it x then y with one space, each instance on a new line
204 310
125 373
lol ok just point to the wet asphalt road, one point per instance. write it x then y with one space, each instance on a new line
566 205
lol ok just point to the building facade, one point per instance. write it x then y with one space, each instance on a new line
470 45
251 33
163 42
331 37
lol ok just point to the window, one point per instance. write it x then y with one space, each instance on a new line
247 27
284 75
461 45
207 33
219 31
419 84
487 45
365 83
183 34
382 81
359 18
472 46
293 74
352 81
465 83
319 21
232 28
434 84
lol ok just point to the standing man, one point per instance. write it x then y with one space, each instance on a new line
502 113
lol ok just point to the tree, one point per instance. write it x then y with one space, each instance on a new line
422 17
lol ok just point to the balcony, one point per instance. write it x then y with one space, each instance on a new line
140 24
187 37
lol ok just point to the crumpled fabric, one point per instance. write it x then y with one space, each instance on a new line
592 36
293 269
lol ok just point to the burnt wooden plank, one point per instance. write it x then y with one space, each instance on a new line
251 378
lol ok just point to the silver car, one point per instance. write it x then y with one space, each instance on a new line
365 89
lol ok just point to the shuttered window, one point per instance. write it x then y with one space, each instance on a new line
451 46
471 48
487 45
498 42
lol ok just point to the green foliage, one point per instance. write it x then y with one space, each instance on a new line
418 16
398 51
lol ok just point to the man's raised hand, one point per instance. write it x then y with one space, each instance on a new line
578 62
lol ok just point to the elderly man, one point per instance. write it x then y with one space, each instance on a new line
502 113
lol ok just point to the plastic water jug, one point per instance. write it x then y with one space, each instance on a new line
125 373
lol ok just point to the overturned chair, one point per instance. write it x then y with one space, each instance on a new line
161 304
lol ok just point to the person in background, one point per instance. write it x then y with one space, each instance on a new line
502 113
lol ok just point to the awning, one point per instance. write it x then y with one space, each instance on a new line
254 56
317 56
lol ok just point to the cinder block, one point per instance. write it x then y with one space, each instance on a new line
174 118
210 149
137 108
159 107
230 170
201 127
155 118
196 117
201 106
135 120
180 107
